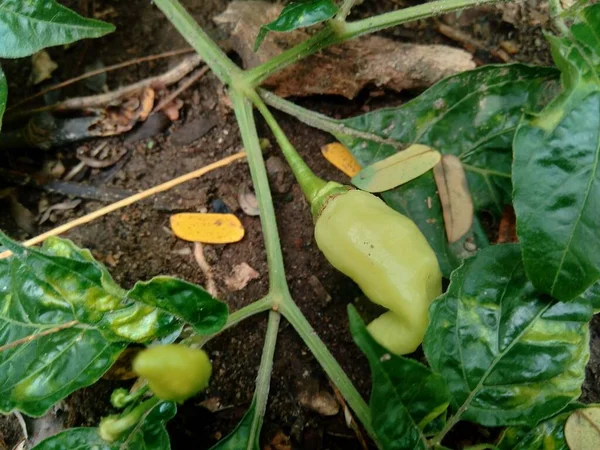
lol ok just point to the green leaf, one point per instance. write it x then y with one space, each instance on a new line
69 280
592 295
147 435
75 439
556 175
188 302
406 396
549 434
298 15
75 320
151 434
39 373
241 436
472 115
3 95
510 355
29 26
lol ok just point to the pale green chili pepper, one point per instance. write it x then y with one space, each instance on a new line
174 372
386 254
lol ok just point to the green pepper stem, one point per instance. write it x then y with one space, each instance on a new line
309 182
114 427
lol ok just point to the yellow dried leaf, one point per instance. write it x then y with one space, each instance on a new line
207 228
341 158
582 429
397 169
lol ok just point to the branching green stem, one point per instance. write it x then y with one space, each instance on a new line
343 31
243 111
210 52
309 182
263 380
292 313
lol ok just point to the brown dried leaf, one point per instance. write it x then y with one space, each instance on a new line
455 197
507 230
24 218
279 442
341 70
322 402
171 109
241 275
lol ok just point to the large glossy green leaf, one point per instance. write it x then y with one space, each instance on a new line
549 434
510 355
406 396
29 26
296 15
73 321
472 115
3 95
240 438
38 373
148 435
556 174
592 295
70 281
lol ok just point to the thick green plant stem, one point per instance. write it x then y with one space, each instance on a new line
243 111
263 380
213 56
279 289
338 31
322 39
292 313
309 182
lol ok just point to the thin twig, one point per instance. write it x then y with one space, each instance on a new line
96 101
128 201
211 286
93 73
33 337
349 417
185 84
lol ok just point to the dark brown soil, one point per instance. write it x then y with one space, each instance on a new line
136 242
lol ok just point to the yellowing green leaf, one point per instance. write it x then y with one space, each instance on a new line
397 169
582 429
341 158
207 228
453 189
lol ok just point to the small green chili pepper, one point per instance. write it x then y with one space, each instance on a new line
174 372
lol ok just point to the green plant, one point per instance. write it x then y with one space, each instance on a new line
506 344
30 26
